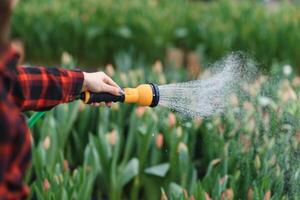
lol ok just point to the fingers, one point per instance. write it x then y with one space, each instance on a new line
96 104
111 89
100 82
108 104
110 82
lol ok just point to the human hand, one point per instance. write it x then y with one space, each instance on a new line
100 82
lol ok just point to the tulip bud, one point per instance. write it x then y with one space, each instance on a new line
112 137
278 170
250 126
159 140
253 91
215 161
88 168
234 100
198 122
46 185
47 143
207 197
250 194
223 179
81 106
179 131
110 70
192 197
182 147
123 78
227 194
66 165
185 192
61 178
75 172
267 195
66 58
163 196
287 70
172 119
257 163
272 161
175 57
248 106
286 92
296 81
139 111
246 142
297 136
56 179
162 79
157 67
221 129
115 106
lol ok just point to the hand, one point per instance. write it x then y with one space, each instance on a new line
100 82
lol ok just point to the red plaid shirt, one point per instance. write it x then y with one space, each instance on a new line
21 89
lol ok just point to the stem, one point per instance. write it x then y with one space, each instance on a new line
135 189
114 194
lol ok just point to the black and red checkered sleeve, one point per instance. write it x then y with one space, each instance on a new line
15 147
40 88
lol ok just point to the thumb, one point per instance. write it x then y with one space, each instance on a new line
111 89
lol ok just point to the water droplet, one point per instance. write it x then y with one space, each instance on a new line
209 96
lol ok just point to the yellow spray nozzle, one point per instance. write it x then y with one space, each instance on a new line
141 95
144 95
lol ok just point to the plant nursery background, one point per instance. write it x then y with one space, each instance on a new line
251 151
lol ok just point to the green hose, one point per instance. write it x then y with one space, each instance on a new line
34 118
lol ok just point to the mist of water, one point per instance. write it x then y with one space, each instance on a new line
209 96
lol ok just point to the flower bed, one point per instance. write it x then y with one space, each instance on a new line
98 31
250 152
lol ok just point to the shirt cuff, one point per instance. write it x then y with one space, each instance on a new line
77 79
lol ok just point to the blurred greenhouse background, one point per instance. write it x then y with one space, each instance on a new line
251 151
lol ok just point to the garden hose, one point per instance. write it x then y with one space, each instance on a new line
34 118
143 95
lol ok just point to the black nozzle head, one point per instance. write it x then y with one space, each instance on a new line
155 92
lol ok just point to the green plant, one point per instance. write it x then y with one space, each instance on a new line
98 31
250 152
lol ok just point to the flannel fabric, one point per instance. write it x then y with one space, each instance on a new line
24 89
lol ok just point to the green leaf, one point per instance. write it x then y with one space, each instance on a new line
130 171
142 129
158 170
64 195
124 32
175 190
91 158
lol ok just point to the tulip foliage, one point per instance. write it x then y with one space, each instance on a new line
126 152
98 31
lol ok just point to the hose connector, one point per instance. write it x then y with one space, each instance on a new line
155 94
